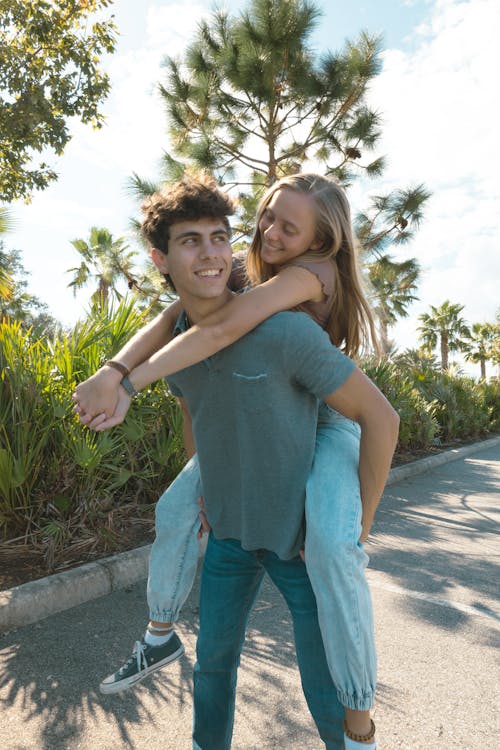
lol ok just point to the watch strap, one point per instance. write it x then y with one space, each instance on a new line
125 382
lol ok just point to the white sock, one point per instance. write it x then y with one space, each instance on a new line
158 640
352 745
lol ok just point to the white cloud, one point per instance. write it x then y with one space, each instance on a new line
136 132
440 103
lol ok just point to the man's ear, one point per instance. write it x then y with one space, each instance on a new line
160 260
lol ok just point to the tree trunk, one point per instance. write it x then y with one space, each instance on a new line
444 351
384 336
483 369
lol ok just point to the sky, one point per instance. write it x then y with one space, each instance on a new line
439 99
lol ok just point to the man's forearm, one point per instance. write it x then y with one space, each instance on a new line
360 400
150 338
376 451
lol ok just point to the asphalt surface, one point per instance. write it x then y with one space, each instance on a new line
434 577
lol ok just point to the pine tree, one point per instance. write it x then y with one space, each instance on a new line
251 102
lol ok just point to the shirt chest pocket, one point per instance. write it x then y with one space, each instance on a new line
252 391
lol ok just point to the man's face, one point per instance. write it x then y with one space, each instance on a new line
199 259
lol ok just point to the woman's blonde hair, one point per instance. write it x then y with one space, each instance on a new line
350 323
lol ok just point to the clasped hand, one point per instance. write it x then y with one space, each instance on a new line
100 401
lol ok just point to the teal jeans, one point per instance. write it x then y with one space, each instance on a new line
230 582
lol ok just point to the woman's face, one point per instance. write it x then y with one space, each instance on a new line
287 227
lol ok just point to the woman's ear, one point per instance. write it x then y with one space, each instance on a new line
160 260
316 245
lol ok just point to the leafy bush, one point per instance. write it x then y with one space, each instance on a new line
66 488
490 395
435 406
61 484
418 424
461 409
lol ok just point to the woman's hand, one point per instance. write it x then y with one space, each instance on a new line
98 395
101 422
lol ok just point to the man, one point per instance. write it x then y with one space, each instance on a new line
253 409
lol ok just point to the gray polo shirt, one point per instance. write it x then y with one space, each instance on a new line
254 408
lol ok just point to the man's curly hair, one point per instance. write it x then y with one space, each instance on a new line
192 197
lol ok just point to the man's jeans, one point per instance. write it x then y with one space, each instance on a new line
230 582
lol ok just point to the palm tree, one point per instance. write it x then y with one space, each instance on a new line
105 261
481 344
445 326
392 286
417 361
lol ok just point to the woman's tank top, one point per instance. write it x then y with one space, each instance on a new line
322 269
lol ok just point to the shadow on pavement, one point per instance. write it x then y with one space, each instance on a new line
51 672
436 536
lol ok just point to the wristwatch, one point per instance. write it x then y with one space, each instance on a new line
125 382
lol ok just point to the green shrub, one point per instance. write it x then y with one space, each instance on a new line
59 482
461 409
64 487
435 406
490 395
418 424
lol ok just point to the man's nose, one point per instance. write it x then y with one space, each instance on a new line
209 248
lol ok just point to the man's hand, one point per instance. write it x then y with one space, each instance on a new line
101 422
366 525
204 525
97 396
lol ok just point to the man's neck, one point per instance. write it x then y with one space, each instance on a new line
197 309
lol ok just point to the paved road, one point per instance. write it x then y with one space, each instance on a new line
434 574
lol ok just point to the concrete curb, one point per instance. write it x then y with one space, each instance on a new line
398 473
33 601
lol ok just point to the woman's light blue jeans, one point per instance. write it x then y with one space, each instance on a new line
335 559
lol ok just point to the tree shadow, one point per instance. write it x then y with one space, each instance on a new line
436 535
51 671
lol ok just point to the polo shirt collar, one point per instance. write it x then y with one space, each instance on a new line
181 324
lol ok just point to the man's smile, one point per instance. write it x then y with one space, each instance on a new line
209 272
